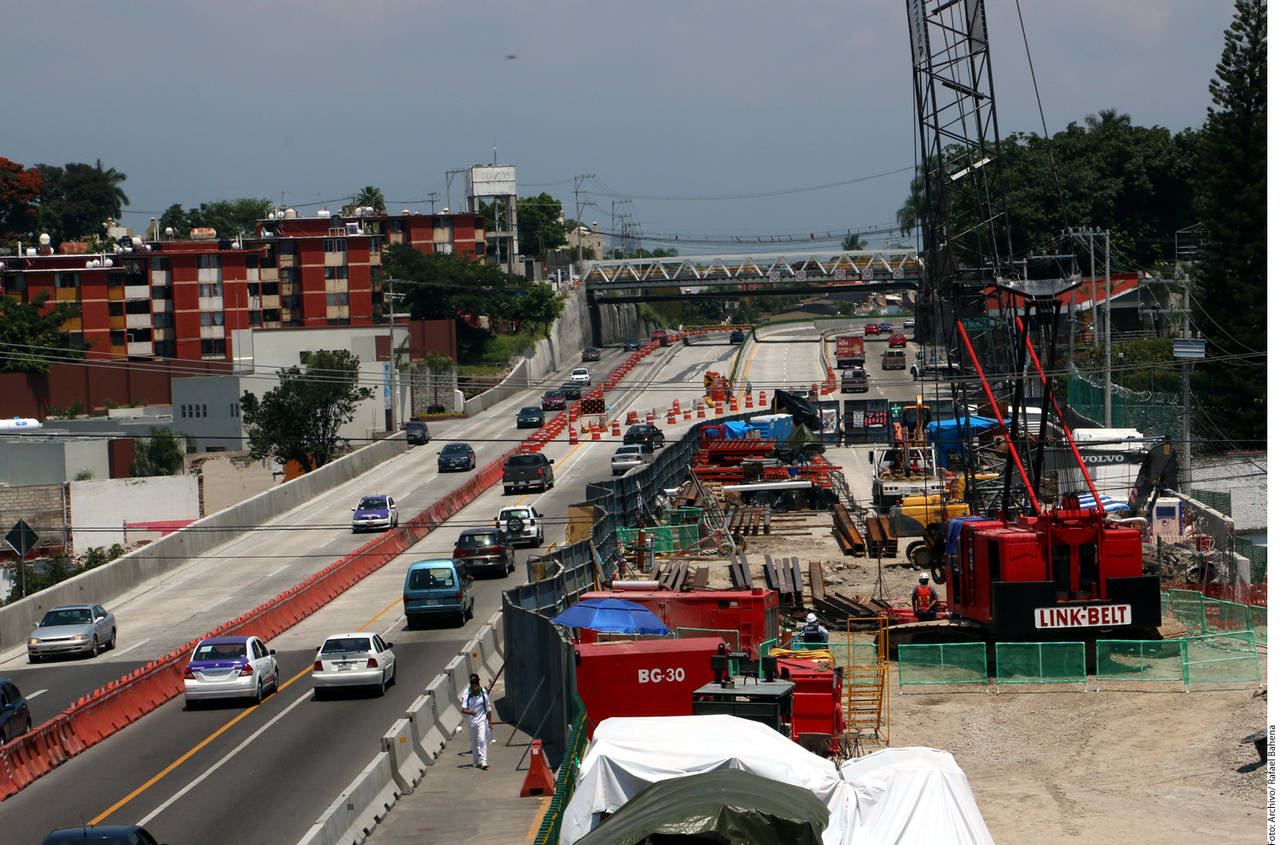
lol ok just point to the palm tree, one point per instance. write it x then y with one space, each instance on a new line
368 196
113 178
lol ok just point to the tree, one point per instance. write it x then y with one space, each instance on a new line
77 198
369 196
30 341
300 419
226 217
853 242
540 224
1231 198
19 192
159 454
539 305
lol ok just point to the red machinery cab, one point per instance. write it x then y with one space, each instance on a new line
752 614
1058 575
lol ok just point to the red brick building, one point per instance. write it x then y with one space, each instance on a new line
181 299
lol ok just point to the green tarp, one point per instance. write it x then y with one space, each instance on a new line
726 805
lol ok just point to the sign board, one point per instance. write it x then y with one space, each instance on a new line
895 410
979 324
877 421
1094 616
21 538
1191 348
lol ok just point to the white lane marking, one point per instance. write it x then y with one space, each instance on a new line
132 647
32 695
274 571
218 602
233 752
393 626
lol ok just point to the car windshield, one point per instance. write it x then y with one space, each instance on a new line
373 503
455 449
531 410
416 426
67 616
427 579
553 394
338 645
219 651
470 540
524 460
522 513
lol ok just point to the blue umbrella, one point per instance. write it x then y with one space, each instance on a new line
614 615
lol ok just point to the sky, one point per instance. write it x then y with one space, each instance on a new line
698 121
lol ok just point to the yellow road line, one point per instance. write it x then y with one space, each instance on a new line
537 820
755 347
211 737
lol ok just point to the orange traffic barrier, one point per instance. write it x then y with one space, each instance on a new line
632 417
617 428
648 416
595 433
749 402
702 411
573 434
719 407
539 780
671 417
763 401
688 412
733 403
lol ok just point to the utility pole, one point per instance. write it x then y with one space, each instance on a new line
1106 352
432 197
391 347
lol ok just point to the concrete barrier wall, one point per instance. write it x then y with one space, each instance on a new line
106 582
364 803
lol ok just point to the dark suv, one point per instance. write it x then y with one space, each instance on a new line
415 431
646 435
737 336
487 549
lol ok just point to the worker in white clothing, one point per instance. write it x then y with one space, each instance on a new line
478 708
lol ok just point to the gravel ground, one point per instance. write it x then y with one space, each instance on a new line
1136 763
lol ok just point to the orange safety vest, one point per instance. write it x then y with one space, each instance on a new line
923 596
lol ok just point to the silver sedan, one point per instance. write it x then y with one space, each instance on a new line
72 629
353 660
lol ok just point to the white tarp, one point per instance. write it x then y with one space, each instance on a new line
881 797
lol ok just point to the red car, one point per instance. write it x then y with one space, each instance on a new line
871 328
553 400
897 340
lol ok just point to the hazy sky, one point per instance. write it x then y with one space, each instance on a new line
683 108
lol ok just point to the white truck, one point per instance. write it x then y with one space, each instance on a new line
896 478
522 523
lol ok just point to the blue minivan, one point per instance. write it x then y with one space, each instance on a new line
435 588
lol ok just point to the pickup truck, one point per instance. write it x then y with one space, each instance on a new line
526 470
849 351
854 381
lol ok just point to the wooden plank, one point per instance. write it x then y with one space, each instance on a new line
817 583
701 576
797 580
767 516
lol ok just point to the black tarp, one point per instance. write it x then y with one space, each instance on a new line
802 410
722 806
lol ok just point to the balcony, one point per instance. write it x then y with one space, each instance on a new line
141 348
210 303
212 332
287 261
137 292
137 321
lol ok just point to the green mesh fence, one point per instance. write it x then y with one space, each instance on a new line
1222 659
1146 410
1187 606
566 776
1219 501
1140 660
1225 616
1258 623
1164 606
681 516
667 539
1040 663
942 663
1257 557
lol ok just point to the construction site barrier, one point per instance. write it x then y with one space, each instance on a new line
1040 663
1203 615
353 814
1222 659
407 767
667 539
1258 623
566 777
1140 660
427 733
942 663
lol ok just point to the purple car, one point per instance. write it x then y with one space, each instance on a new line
373 513
230 667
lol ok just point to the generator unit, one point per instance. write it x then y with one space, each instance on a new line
1166 519
751 614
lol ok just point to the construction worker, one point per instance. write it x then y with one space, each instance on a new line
813 632
924 601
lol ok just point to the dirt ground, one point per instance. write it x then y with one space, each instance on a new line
1136 763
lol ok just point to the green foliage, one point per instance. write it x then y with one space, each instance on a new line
1139 365
299 420
94 557
615 254
19 197
1231 193
540 224
75 199
227 217
853 242
23 326
83 475
75 409
159 454
115 551
368 196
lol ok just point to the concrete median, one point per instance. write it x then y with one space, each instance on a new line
427 735
359 807
406 765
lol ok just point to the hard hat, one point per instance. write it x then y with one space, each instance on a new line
812 617
924 577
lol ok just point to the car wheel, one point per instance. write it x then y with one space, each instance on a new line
380 687
392 683
261 693
473 463
27 729
33 658
93 649
318 693
506 491
111 643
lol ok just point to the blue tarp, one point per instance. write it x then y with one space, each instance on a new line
948 436
953 532
1108 504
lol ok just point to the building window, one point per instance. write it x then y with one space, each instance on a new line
166 349
335 244
213 347
251 261
209 262
161 292
291 301
255 318
211 290
335 272
334 300
116 339
162 320
138 335
184 411
211 318
66 280
136 306
271 315
288 248
270 288
375 246
204 410
15 283
115 308
253 288
159 263
289 274
338 321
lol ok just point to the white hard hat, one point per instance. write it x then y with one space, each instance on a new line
924 577
812 617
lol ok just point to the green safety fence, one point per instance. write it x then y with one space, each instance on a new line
566 776
1140 660
765 647
1148 410
1164 606
1040 663
667 539
1221 659
1258 623
1257 557
942 663
1219 501
681 516
1225 616
1187 606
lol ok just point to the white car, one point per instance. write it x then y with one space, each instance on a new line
581 375
360 659
230 667
522 523
374 512
626 457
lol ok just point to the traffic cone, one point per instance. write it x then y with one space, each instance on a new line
702 411
762 399
719 408
671 417
539 780
750 404
733 403
617 428
595 432
648 416
632 418
573 434
688 412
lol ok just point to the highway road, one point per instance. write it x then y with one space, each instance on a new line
264 773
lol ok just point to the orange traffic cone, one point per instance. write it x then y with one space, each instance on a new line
762 399
750 404
632 418
539 780
733 403
573 434
595 432
688 412
671 417
702 411
719 408
617 428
